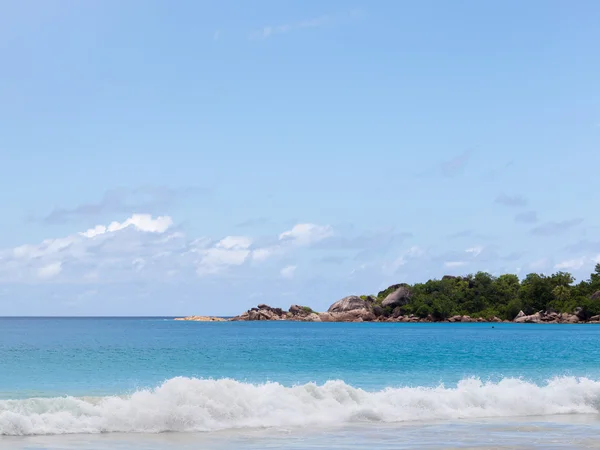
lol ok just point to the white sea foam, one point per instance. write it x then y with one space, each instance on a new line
187 404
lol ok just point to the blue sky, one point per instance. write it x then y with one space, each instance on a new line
203 157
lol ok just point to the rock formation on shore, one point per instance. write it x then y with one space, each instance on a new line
265 312
554 317
397 304
349 309
354 309
201 319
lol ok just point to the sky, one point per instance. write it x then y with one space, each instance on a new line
174 158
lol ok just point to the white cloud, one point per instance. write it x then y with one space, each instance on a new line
261 254
152 250
288 272
217 256
47 247
93 232
453 264
571 264
306 234
475 251
200 244
90 252
215 260
229 251
235 242
49 271
302 234
141 222
169 237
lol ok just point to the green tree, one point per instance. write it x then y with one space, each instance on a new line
513 308
484 295
595 279
535 293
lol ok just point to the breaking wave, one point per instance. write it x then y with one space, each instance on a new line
189 404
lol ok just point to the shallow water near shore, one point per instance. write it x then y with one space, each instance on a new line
156 383
555 432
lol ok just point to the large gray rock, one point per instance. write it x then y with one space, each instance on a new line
356 315
580 313
350 303
326 317
595 295
299 310
399 297
263 312
312 317
534 318
571 318
378 311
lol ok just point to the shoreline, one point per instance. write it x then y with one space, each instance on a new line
472 299
473 321
298 313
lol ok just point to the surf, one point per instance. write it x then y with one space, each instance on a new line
198 405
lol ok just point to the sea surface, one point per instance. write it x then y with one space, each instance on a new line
155 383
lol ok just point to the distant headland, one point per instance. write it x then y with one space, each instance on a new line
472 298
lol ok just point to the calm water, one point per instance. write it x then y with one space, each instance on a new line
116 383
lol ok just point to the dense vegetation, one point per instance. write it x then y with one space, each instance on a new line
484 295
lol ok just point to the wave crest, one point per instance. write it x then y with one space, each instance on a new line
189 404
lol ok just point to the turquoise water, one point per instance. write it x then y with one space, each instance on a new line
65 380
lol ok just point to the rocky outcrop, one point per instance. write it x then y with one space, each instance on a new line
302 314
551 317
400 297
201 319
356 315
392 309
262 312
297 310
265 312
465 319
533 318
595 295
347 304
350 309
469 319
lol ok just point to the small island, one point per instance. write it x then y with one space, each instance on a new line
472 298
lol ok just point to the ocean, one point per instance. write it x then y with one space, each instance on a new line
154 383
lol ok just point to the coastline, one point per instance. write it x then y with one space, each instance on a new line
407 319
354 309
482 298
201 319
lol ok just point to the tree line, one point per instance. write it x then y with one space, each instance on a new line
504 296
